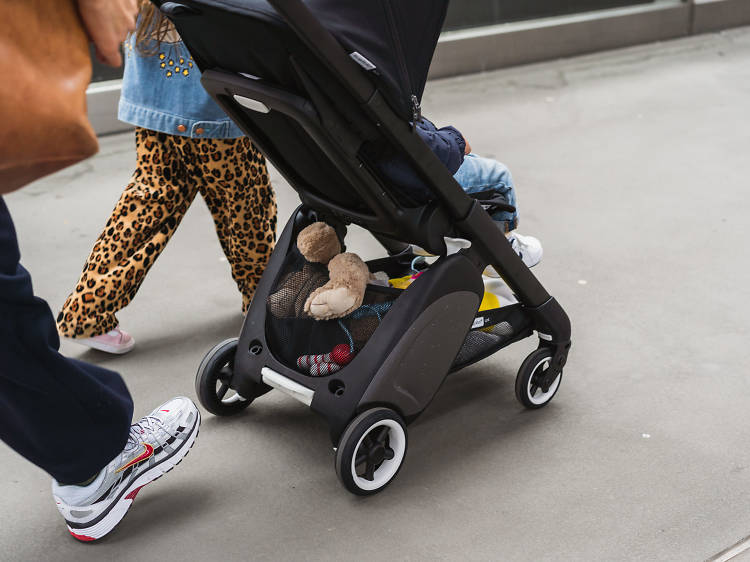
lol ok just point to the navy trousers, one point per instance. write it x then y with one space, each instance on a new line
65 416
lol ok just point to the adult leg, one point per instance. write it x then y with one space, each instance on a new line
479 174
67 417
143 221
242 202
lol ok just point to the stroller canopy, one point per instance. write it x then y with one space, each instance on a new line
394 39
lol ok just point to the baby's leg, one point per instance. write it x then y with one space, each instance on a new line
479 174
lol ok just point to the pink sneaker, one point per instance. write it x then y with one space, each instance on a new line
115 341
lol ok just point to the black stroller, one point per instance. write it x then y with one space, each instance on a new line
320 86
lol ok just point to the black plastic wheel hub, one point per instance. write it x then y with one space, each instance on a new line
373 451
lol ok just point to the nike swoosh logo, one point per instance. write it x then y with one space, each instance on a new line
148 450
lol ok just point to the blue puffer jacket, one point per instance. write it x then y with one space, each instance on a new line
448 145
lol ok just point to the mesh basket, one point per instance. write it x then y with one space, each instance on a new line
293 335
484 341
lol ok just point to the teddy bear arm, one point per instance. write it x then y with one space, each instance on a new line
350 270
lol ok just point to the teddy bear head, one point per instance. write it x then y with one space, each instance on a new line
318 243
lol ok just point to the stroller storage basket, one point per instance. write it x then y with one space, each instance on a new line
296 339
293 335
492 331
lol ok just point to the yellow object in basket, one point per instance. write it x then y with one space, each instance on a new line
489 301
401 282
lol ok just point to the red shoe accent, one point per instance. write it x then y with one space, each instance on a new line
134 493
83 538
148 450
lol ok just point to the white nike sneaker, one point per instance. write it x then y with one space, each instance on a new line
156 444
528 248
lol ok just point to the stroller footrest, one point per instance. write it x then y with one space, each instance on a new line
287 386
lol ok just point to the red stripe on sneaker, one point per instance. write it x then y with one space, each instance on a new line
83 538
134 493
148 451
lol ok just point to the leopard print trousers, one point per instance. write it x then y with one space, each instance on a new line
231 176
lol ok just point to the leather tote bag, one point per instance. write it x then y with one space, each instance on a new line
45 69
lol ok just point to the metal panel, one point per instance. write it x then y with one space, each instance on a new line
102 99
714 15
498 46
463 14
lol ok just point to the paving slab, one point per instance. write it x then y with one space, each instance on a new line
632 167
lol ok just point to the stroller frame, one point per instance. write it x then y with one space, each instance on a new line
393 379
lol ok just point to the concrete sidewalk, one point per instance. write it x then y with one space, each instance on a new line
632 167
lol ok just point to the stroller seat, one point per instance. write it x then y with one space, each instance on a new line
324 88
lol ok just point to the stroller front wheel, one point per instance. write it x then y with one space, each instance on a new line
531 389
213 379
371 451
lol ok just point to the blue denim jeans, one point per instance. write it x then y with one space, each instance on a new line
478 174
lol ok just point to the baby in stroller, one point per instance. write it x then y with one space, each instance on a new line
476 175
473 173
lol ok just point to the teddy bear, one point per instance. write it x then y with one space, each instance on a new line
348 274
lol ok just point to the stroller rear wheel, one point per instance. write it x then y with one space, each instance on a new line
532 390
212 382
371 451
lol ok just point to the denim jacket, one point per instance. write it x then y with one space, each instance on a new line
163 93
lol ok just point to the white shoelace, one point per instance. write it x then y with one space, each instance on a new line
149 424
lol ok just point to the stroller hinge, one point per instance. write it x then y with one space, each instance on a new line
553 327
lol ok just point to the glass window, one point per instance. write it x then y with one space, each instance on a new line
472 13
